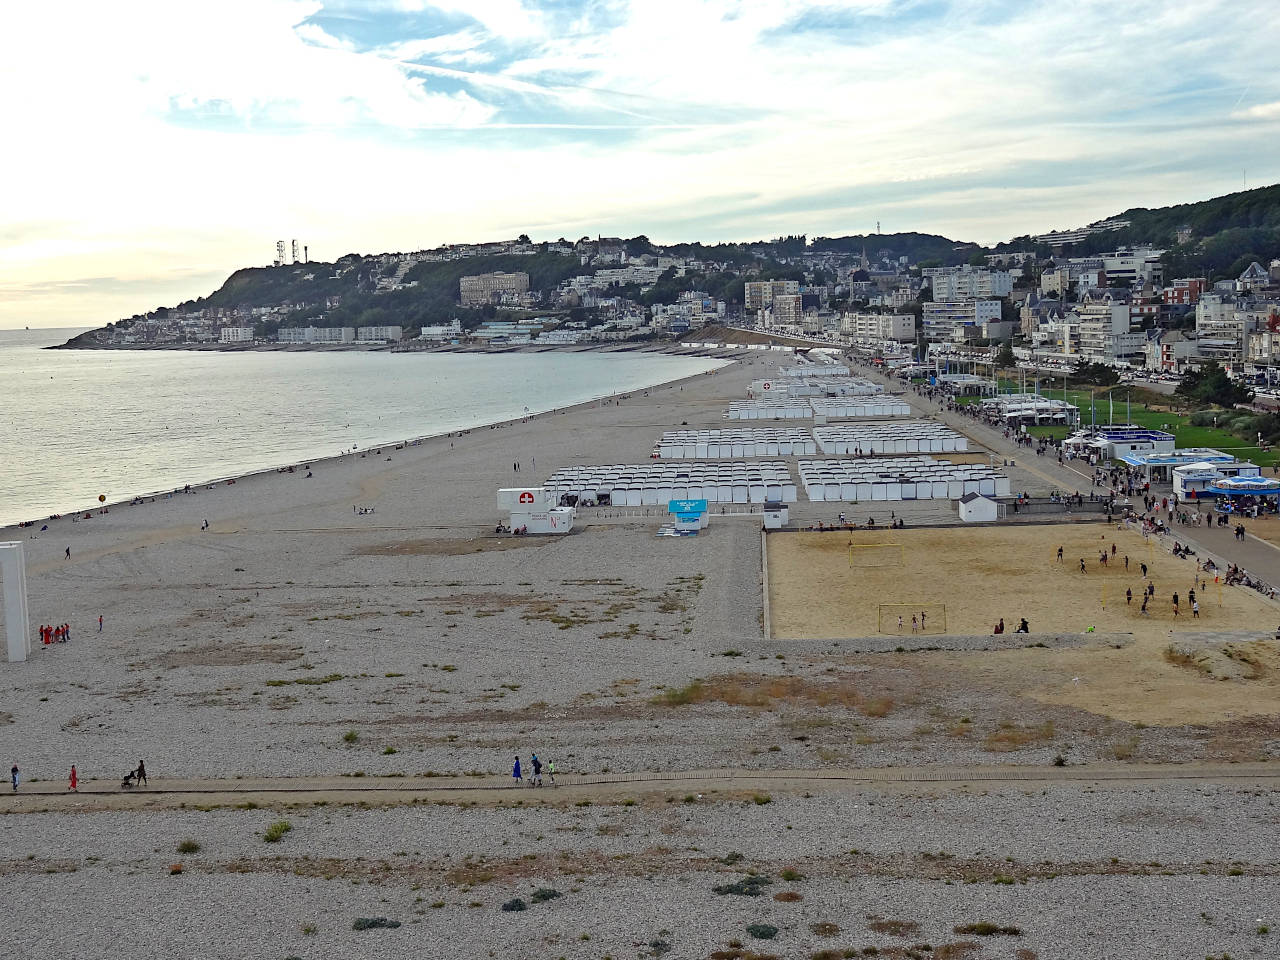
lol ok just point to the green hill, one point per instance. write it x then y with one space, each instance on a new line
1222 236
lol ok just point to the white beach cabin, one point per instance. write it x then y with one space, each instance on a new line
975 508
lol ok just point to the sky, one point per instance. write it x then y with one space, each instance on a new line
153 146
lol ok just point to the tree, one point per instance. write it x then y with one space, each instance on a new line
1098 374
523 238
1211 384
1005 357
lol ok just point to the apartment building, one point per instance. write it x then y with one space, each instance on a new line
236 335
1185 291
788 309
379 333
482 288
316 335
879 326
960 283
941 317
1105 332
759 294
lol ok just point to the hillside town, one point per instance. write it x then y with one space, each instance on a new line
1120 307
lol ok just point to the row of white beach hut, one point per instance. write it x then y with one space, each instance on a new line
744 442
794 387
842 407
768 408
635 485
898 478
817 370
868 437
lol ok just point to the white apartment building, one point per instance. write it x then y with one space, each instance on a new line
788 310
759 294
236 335
316 335
441 331
941 316
480 289
1105 334
379 333
623 276
959 283
879 326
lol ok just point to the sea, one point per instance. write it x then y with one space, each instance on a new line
79 424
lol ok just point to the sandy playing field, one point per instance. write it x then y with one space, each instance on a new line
982 575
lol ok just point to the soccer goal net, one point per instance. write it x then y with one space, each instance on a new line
875 555
903 619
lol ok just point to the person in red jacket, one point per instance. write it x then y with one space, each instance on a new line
72 786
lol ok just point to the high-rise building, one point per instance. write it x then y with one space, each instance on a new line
761 293
480 289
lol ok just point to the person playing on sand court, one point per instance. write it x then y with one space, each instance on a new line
1143 611
1128 596
73 784
1143 568
922 619
1126 563
515 772
915 624
1195 609
1175 604
1059 554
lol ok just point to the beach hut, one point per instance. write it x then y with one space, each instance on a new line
975 508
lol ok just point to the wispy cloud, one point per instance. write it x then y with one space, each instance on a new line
164 136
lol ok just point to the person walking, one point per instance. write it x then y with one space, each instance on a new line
1195 609
68 553
1175 604
551 771
73 785
515 772
1082 570
13 777
1143 568
141 774
1128 596
536 780
1059 554
99 623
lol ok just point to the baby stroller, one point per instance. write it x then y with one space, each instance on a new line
129 780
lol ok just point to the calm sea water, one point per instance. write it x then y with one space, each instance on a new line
78 423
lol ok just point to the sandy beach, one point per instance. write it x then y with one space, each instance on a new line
297 638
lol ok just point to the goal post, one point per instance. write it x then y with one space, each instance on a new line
904 619
876 555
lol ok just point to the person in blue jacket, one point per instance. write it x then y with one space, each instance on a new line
515 771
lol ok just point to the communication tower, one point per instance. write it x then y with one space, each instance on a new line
294 258
305 256
279 253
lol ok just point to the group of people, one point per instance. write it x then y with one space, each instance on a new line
73 780
1023 627
535 775
59 634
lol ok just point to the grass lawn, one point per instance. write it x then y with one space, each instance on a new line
1176 423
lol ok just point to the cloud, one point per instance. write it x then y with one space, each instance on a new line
161 137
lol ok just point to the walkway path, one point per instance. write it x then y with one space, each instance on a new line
171 794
